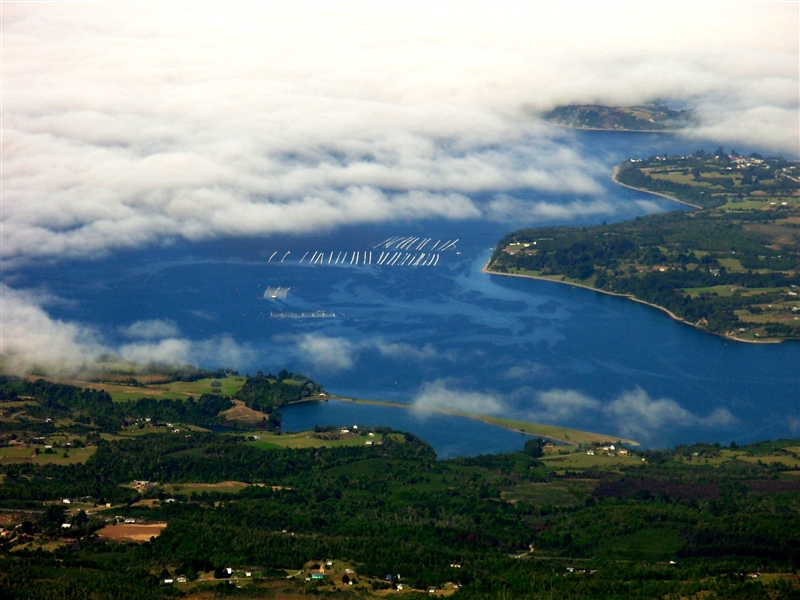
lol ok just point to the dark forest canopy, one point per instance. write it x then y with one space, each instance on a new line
547 521
733 271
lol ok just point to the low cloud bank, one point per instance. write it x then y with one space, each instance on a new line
437 395
340 354
169 120
632 414
33 341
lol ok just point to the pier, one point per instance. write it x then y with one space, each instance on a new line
319 314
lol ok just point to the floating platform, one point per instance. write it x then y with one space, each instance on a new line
277 293
320 314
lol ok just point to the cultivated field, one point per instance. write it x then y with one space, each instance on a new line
131 532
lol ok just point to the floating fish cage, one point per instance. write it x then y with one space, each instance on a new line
276 293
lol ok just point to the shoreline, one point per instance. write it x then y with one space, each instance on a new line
672 315
524 427
675 317
630 187
671 131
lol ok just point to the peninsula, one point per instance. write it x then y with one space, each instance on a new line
647 117
731 268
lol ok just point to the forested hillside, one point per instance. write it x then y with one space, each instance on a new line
734 270
380 516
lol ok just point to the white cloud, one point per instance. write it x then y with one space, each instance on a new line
337 353
34 341
403 351
170 351
327 353
718 417
638 415
514 210
641 417
129 123
632 414
151 329
31 340
559 406
526 369
437 395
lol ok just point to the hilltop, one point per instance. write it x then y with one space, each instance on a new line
648 117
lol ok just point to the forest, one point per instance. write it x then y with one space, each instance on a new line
707 180
240 518
732 270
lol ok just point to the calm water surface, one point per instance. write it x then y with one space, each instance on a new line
448 334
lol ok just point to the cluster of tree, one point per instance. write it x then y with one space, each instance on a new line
267 393
714 181
395 509
626 258
96 409
185 372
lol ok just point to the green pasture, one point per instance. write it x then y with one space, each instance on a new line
582 461
310 439
16 404
131 393
732 264
18 454
729 290
176 390
646 544
228 386
186 489
555 493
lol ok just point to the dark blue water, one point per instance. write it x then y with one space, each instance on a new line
450 436
449 334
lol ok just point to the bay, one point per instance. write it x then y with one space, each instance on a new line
447 334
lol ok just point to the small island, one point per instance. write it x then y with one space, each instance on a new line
731 268
647 117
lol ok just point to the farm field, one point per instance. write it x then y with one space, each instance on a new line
131 532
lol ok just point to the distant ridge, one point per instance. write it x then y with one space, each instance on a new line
648 117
